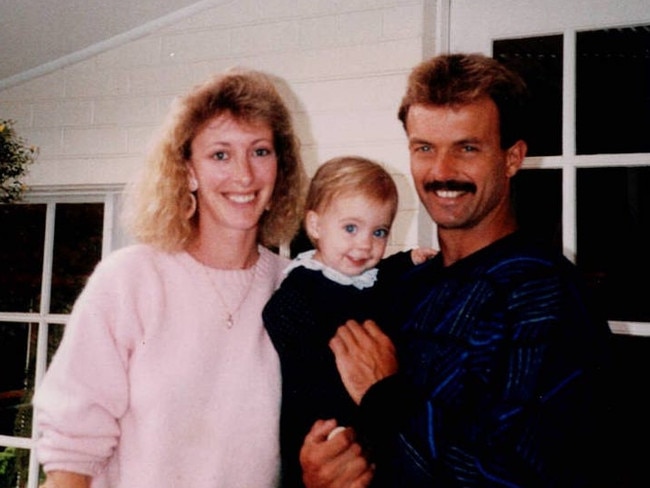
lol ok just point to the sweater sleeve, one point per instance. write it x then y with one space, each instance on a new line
383 406
85 389
395 265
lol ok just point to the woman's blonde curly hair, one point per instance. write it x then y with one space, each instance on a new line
158 203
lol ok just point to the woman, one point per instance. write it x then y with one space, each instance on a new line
165 375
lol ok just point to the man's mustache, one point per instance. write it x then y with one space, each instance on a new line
450 185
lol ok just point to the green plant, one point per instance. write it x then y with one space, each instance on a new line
15 156
8 466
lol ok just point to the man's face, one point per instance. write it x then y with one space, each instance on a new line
460 172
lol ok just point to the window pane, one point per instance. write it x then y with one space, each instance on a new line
17 349
539 61
54 336
613 206
14 466
537 196
21 257
613 91
77 249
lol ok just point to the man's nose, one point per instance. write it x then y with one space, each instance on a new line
442 167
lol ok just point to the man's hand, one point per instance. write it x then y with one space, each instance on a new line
334 463
364 355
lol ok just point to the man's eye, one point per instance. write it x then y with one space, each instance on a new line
423 148
468 148
350 228
381 233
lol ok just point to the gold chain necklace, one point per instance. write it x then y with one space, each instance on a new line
230 320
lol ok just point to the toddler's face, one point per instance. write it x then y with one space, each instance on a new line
352 232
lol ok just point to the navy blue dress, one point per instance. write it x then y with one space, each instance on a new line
301 317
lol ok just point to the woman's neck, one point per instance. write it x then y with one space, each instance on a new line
225 252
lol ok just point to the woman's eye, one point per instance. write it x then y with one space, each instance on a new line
220 155
350 228
381 233
262 151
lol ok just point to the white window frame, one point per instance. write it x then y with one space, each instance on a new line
112 238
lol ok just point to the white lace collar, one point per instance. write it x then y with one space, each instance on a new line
306 260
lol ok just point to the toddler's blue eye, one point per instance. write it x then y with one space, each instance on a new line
382 233
350 228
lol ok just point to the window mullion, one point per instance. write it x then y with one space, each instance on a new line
569 189
42 337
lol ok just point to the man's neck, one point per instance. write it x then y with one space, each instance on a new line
456 244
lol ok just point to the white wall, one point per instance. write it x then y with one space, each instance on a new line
344 63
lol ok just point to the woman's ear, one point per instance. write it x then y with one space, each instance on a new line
192 182
311 224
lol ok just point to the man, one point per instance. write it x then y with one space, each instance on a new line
502 364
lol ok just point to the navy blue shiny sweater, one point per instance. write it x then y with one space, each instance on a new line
503 376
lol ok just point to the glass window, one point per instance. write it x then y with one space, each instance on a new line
613 206
613 90
77 248
21 257
16 345
54 336
48 250
608 207
539 61
14 466
537 197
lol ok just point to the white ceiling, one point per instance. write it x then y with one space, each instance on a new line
36 33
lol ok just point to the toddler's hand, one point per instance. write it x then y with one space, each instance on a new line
421 254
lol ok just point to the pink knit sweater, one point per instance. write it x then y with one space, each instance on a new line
150 389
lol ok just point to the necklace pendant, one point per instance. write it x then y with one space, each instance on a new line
229 311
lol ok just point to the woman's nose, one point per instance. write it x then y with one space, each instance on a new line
242 170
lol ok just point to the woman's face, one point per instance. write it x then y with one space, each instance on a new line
235 165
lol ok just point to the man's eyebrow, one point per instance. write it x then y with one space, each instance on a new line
468 140
418 140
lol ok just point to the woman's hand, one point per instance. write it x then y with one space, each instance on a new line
66 479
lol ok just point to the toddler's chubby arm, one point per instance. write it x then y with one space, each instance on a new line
421 254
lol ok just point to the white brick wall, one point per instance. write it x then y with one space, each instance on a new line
343 65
